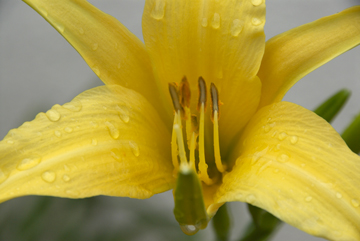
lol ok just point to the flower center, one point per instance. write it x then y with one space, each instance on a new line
191 154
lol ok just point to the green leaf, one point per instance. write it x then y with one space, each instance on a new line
351 135
332 106
221 223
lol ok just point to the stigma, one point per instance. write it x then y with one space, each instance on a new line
189 153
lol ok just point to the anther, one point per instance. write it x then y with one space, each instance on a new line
174 96
202 93
185 93
215 102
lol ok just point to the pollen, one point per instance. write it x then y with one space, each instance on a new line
191 154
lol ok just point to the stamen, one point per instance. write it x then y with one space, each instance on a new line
174 150
185 95
202 163
215 118
192 148
180 141
202 93
174 96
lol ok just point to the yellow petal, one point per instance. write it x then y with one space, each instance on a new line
222 41
107 141
295 53
111 50
293 164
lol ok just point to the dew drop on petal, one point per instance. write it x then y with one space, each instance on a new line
158 10
308 198
236 27
256 2
53 115
250 199
57 133
28 163
123 113
94 46
66 178
114 132
81 31
282 136
355 203
94 124
48 176
283 158
74 105
3 176
10 142
59 27
204 22
215 22
96 71
115 153
135 148
256 21
338 195
43 12
68 129
72 193
189 229
294 139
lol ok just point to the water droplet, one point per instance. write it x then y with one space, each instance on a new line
116 154
94 124
256 2
28 163
250 199
10 142
215 22
283 158
118 65
68 129
294 139
303 165
204 22
94 46
3 176
116 45
276 170
278 147
123 113
59 27
236 27
53 115
256 21
81 31
282 136
355 203
94 142
57 133
308 198
338 195
96 71
114 132
48 176
66 178
72 193
74 105
189 229
66 168
158 10
135 148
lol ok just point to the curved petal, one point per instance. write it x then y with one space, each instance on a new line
111 50
107 141
293 164
222 41
292 55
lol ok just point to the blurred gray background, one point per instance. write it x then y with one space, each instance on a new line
38 69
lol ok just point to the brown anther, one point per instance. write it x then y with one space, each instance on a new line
202 93
215 102
173 89
194 124
185 93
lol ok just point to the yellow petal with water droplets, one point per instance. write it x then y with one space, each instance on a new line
111 50
293 164
295 53
222 41
89 149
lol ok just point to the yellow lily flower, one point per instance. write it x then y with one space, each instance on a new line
120 139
